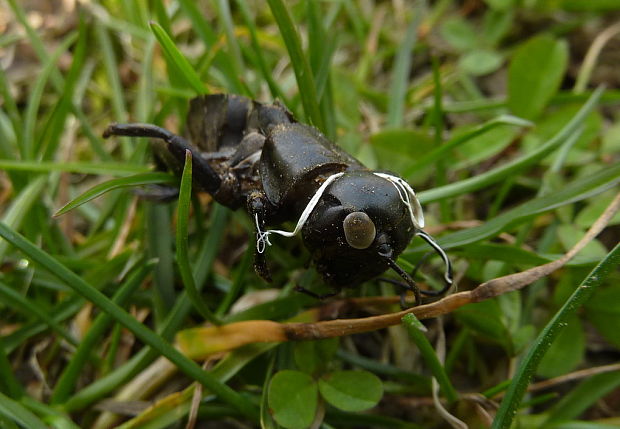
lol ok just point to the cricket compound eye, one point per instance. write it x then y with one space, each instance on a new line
359 230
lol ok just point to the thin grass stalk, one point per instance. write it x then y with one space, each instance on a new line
16 412
514 395
402 66
301 67
416 330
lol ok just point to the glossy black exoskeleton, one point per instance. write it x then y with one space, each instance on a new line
354 221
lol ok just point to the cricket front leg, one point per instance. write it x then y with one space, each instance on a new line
257 207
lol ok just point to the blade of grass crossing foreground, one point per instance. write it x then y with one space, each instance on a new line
15 412
72 371
187 366
514 395
301 67
415 328
185 270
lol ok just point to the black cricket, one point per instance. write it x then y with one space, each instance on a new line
354 221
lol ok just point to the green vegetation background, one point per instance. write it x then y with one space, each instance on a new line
488 108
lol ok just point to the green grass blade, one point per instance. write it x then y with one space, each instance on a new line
30 308
200 25
177 60
181 241
402 67
34 100
187 366
301 67
234 54
8 381
574 403
257 50
527 368
111 68
443 150
145 96
245 267
116 25
36 42
49 138
159 241
171 325
415 328
21 205
16 412
100 168
577 190
509 169
59 313
10 106
68 378
123 182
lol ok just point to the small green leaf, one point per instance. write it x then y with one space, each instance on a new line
293 398
566 352
485 146
313 357
569 236
398 148
603 310
351 390
124 182
535 74
496 24
485 318
459 33
480 62
588 215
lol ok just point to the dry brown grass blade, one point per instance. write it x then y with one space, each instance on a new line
200 342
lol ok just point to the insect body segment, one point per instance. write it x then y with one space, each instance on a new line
355 222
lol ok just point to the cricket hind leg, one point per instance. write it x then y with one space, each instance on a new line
203 174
